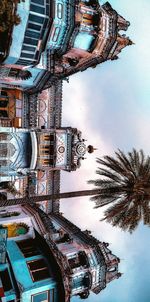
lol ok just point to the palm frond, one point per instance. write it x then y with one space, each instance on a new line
125 183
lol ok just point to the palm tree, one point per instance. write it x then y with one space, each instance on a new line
124 182
39 198
126 185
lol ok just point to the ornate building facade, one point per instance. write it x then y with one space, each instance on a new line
34 147
57 260
43 256
24 150
58 39
47 258
21 116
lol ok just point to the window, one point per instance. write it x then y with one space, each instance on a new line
27 55
28 248
56 34
51 150
30 41
3 113
37 9
59 10
51 161
74 262
34 26
18 112
18 108
3 149
36 19
6 281
112 269
51 137
44 296
41 297
7 149
28 48
46 152
79 259
23 61
3 103
78 282
32 34
38 270
18 103
4 93
40 2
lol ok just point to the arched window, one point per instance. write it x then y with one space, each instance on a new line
5 162
3 149
7 149
12 149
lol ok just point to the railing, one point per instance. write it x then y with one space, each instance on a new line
36 30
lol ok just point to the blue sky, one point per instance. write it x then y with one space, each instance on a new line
111 106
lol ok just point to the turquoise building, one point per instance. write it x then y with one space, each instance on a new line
49 259
29 272
58 38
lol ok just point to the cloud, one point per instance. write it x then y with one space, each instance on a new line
110 105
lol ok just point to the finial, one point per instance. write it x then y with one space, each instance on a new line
119 275
91 149
130 42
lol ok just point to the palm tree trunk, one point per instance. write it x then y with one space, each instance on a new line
39 198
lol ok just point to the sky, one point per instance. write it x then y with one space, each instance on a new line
111 106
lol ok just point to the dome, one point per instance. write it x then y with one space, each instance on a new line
90 149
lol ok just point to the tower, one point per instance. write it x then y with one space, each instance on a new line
25 150
59 39
39 244
34 147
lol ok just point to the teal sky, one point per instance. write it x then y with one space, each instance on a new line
111 106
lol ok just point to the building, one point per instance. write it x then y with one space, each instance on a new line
43 256
23 150
39 110
34 147
11 106
38 245
28 269
58 39
19 110
31 136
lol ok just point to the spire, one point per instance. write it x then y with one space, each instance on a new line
122 23
122 42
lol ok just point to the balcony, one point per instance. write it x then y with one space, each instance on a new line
34 26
